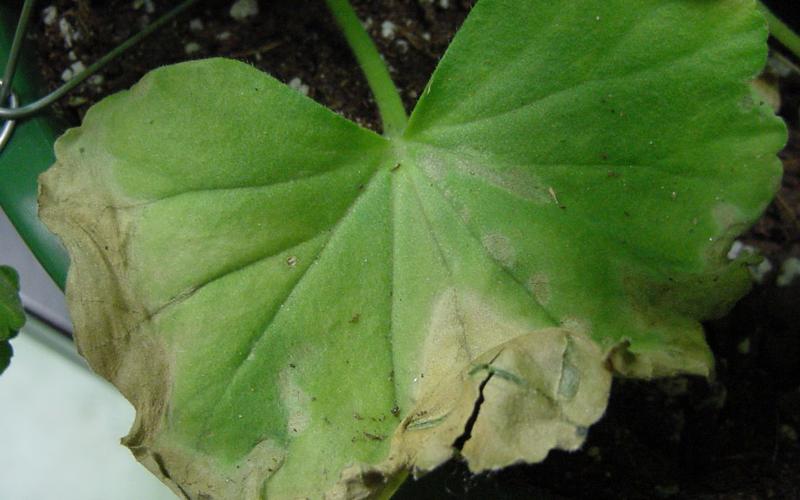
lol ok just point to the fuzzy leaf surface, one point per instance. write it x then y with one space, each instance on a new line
298 307
12 316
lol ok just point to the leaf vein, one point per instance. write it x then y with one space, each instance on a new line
538 100
261 331
448 269
549 315
244 187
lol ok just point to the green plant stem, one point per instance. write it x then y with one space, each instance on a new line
390 106
392 486
780 31
16 45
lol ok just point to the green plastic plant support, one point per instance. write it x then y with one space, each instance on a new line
28 153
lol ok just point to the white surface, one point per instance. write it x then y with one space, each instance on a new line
60 430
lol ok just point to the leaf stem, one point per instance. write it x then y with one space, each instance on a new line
392 486
390 106
780 31
13 53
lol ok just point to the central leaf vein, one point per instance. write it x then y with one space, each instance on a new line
447 267
262 331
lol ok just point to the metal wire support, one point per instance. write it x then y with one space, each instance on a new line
8 126
6 93
16 113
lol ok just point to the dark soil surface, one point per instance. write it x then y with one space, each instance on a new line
730 438
289 39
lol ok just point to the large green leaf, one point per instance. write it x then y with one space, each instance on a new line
12 316
299 307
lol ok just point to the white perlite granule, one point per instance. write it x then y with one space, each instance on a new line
298 85
49 15
790 270
388 29
242 9
69 73
191 48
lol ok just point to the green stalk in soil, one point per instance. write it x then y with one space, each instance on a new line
781 32
13 56
390 106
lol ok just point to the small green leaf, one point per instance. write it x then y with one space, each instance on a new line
298 307
12 316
